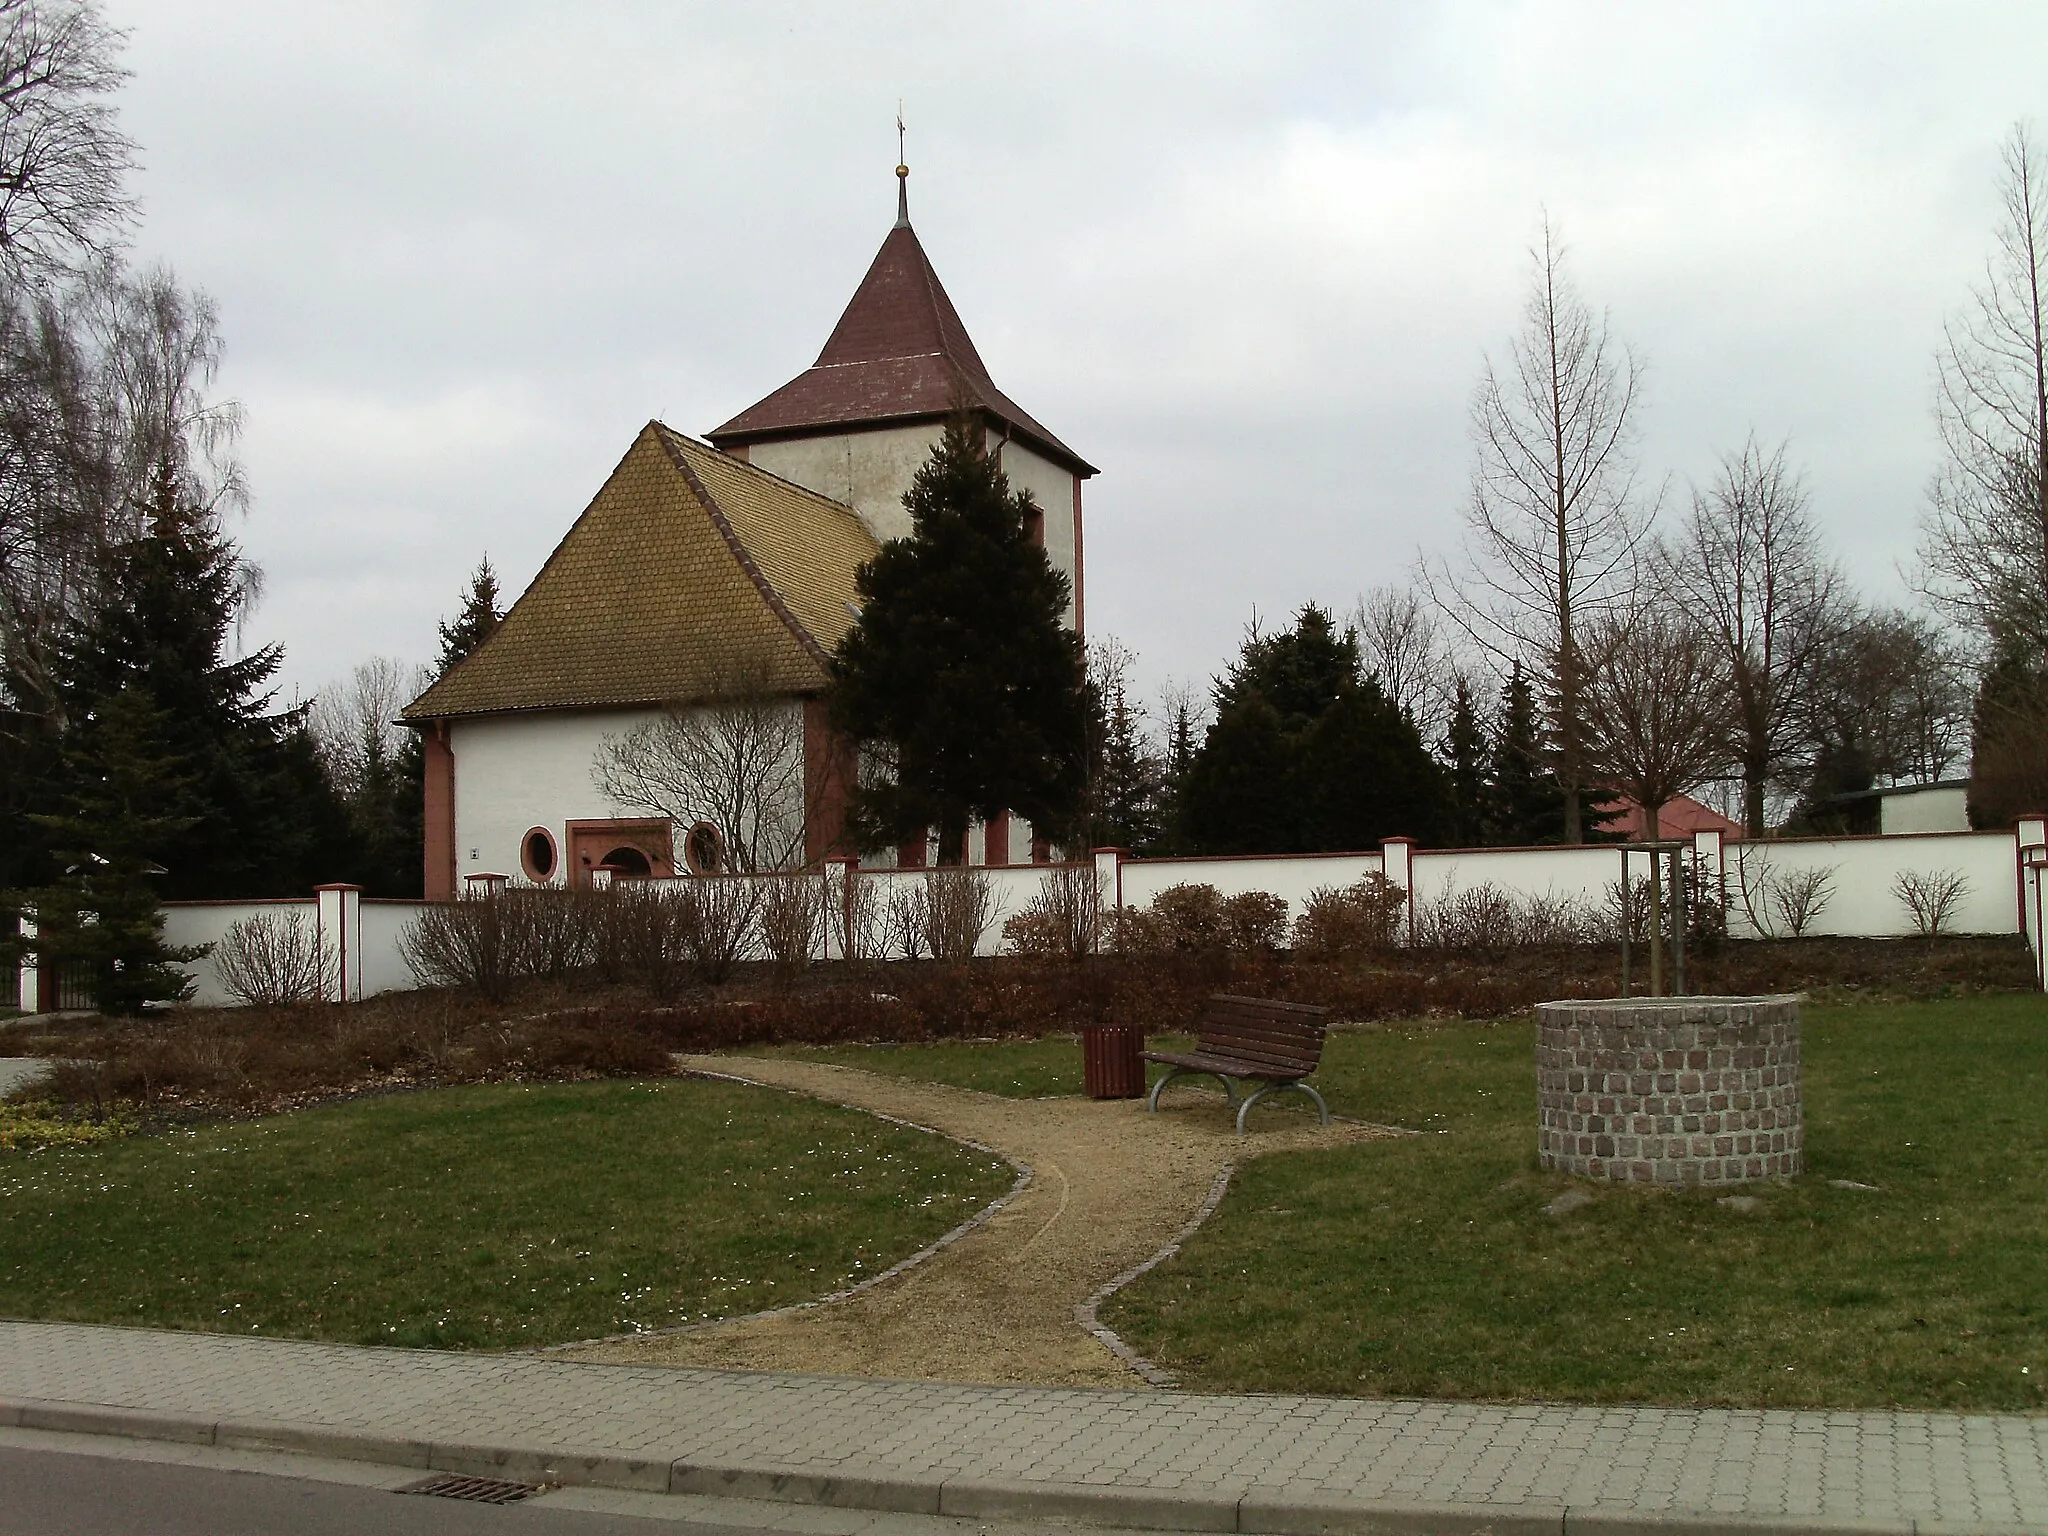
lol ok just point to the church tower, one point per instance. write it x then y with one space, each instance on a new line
857 424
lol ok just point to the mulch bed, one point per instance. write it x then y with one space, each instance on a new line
213 1061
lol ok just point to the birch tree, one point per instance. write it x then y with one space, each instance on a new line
1555 521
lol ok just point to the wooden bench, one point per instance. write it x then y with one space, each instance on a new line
1251 1040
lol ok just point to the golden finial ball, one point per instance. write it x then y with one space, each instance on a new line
903 170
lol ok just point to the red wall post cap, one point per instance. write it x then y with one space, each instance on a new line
339 885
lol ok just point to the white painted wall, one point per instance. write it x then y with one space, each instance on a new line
204 922
1937 808
1863 873
381 924
517 772
1295 878
1583 875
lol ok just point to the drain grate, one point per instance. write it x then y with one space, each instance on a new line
478 1490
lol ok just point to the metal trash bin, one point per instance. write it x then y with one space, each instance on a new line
1111 1066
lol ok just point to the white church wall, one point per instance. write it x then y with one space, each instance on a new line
870 471
1584 875
516 772
1053 489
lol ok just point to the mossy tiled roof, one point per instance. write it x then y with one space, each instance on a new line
690 575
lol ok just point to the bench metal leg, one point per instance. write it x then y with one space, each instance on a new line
1322 1109
1152 1102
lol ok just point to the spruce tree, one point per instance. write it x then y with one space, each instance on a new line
2009 736
1528 804
960 676
480 615
1307 753
1468 781
101 921
250 811
1127 779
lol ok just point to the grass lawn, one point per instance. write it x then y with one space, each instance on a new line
1014 1069
1428 1266
479 1217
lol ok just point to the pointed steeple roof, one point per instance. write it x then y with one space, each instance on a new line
898 354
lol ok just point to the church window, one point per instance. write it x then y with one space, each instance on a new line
704 850
537 855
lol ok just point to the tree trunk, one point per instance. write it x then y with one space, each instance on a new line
953 838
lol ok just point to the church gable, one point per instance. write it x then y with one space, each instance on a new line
689 574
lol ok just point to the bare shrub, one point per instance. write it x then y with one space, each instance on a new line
466 942
960 905
906 920
656 922
1800 896
1063 918
1190 918
857 919
792 917
1480 917
1358 919
609 933
1931 897
272 959
1781 902
1255 922
1546 920
1627 910
552 929
718 915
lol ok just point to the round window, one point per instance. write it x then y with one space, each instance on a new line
537 855
628 863
704 850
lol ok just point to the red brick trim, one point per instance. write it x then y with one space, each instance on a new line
438 813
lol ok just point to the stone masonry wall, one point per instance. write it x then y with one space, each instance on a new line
1673 1090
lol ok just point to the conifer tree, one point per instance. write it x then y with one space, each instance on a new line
101 921
249 814
1528 802
960 679
1307 754
1466 772
470 628
1127 779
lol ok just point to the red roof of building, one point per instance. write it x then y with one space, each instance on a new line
898 354
1680 816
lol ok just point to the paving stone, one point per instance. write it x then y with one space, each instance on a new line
1113 1457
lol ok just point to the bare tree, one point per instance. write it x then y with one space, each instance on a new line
1402 645
105 413
1555 523
1654 726
1748 567
63 164
1985 538
1890 691
736 762
354 721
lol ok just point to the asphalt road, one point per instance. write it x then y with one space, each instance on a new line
57 1493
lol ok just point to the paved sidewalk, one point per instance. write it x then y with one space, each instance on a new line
1145 1459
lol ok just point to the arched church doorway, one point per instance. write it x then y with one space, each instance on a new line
633 849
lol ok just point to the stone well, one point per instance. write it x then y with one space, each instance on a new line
1670 1090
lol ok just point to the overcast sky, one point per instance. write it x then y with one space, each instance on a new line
1248 259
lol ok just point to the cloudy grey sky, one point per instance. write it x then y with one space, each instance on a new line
1247 258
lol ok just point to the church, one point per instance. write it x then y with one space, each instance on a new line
701 562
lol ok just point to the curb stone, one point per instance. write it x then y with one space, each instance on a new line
1266 1510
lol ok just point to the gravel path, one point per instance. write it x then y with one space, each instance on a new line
1112 1185
19 1071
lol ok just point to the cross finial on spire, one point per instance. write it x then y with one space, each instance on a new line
902 173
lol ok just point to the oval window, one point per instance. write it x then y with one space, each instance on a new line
537 855
704 850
